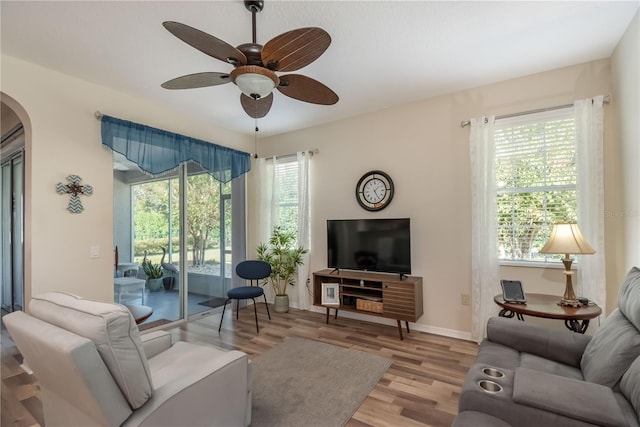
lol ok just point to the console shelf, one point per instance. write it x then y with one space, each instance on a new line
375 294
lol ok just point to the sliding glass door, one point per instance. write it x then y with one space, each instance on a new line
186 222
12 203
147 233
209 240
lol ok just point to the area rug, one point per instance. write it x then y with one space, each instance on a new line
301 383
213 302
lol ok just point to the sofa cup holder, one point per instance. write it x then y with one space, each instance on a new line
493 372
489 386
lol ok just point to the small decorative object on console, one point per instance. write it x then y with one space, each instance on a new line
330 294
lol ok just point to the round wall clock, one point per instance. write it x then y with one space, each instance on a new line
374 190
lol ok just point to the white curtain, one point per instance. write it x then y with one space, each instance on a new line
302 283
589 120
269 196
267 204
485 274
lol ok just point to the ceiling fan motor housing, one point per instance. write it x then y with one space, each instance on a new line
253 52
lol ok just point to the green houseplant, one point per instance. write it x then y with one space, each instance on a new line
154 275
285 258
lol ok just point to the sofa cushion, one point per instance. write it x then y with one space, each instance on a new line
566 397
611 351
537 363
178 361
114 332
629 297
477 419
559 345
630 385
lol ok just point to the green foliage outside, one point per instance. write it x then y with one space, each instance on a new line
157 202
203 213
153 271
536 189
154 246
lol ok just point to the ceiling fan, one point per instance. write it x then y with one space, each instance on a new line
255 65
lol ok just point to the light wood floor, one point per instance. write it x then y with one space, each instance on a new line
420 388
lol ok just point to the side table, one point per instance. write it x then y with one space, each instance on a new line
125 284
575 319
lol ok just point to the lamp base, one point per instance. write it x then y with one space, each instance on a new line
569 297
569 303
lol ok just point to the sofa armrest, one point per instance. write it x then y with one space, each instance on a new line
155 343
197 385
561 346
589 402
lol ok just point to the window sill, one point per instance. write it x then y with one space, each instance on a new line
535 264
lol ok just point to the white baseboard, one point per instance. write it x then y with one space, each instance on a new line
452 333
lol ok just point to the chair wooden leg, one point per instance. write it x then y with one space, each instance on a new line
222 317
237 308
255 311
266 305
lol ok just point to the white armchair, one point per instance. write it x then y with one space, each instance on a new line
94 368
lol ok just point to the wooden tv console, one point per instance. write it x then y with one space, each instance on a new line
375 294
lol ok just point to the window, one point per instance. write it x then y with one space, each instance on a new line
286 172
535 181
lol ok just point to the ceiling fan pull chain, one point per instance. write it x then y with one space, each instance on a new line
255 140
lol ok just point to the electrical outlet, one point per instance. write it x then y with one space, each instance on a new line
465 299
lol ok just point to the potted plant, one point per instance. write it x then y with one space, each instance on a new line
285 258
154 275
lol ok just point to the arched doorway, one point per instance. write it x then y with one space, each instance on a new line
12 206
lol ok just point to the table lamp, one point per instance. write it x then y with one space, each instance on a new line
567 239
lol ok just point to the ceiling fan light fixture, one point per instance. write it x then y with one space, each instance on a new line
254 81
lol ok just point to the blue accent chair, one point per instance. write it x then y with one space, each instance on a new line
253 271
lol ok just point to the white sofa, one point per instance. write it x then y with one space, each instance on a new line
94 369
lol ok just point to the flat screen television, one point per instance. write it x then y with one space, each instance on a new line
382 245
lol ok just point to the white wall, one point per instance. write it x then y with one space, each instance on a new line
423 148
8 119
625 80
64 139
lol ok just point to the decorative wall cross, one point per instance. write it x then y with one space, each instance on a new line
75 189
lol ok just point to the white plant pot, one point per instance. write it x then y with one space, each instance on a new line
281 304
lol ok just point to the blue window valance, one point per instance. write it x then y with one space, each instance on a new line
156 151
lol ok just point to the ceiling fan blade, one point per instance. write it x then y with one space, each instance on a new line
206 43
295 49
306 89
191 81
256 108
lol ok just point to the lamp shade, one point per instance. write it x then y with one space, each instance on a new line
254 81
566 238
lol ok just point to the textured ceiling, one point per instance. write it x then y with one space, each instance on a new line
383 53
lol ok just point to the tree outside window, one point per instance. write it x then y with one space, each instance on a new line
156 215
536 183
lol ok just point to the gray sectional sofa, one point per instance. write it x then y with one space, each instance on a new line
527 375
